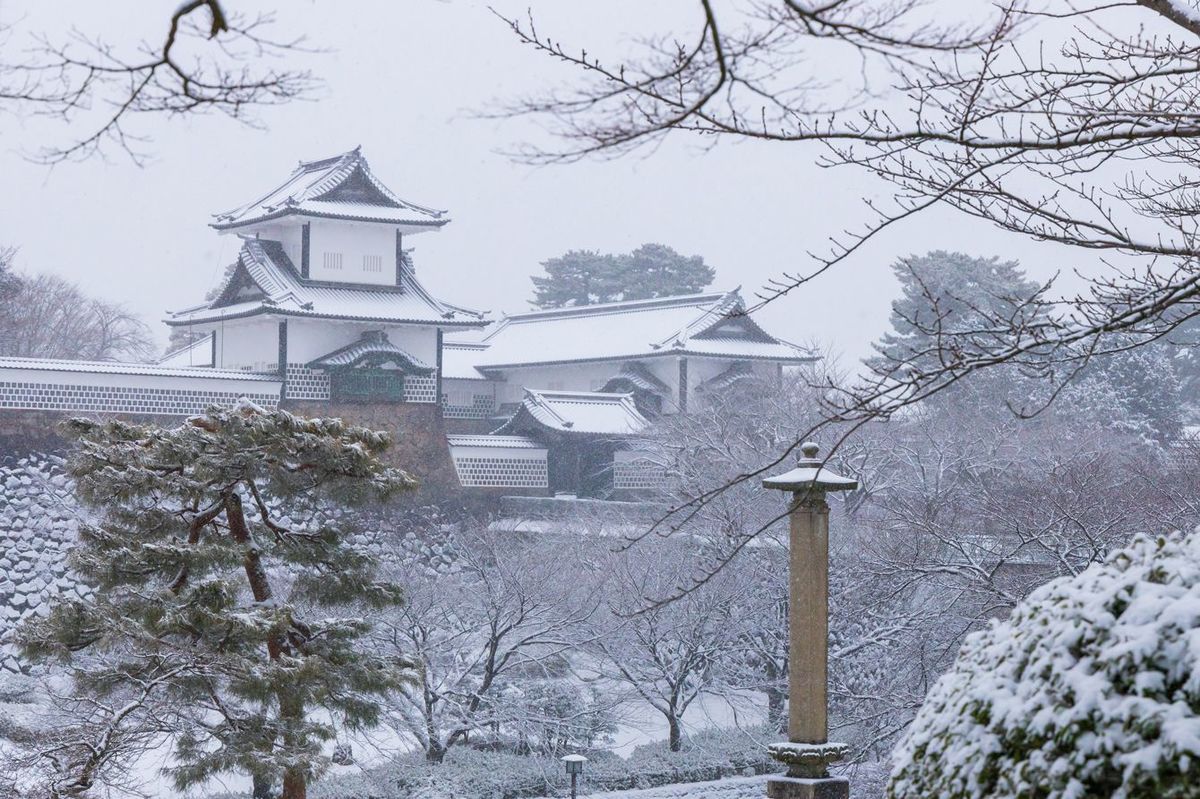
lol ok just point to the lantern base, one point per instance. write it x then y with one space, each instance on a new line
808 788
808 760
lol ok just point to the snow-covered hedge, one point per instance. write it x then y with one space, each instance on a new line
710 755
1090 688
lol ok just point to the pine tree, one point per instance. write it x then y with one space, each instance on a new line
951 292
584 277
656 270
578 277
199 574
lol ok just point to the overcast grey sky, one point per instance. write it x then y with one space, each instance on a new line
402 79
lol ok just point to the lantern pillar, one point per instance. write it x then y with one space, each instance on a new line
808 751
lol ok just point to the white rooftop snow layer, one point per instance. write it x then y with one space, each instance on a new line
585 412
636 329
302 193
494 442
458 362
198 353
287 293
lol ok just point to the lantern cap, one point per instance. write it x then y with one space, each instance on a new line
809 475
574 759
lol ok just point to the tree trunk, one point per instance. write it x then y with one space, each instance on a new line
435 752
291 709
776 711
675 737
262 788
294 785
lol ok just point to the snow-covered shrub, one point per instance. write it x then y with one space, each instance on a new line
1090 688
466 772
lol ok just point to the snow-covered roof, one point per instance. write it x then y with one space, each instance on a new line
698 324
372 345
341 187
265 281
498 442
119 368
198 353
583 412
636 374
458 361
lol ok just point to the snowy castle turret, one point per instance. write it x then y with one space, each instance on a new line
336 222
323 292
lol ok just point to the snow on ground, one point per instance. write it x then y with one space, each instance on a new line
732 788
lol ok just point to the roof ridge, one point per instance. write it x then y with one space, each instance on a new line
587 394
321 163
312 180
539 399
709 317
601 308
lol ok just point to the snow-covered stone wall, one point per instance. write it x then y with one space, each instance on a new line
39 523
39 519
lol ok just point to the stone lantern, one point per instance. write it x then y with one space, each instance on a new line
808 751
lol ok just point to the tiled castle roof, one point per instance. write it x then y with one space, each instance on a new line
579 412
698 324
373 344
341 187
265 281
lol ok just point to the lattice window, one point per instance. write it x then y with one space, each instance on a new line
637 475
306 384
420 389
372 263
483 406
501 472
333 260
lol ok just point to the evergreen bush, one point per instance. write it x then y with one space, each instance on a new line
1091 688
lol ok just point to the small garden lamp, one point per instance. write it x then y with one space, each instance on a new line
574 764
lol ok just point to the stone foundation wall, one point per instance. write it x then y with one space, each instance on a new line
418 435
417 429
29 432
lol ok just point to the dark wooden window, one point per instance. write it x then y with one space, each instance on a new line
367 385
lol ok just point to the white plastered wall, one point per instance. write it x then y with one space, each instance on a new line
354 242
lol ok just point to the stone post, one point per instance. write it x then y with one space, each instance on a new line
808 751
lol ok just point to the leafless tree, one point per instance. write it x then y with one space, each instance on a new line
81 744
49 317
1067 122
673 654
210 59
506 612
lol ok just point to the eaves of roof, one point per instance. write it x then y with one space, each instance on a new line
684 351
261 310
294 211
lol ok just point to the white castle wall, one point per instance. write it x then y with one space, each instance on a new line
124 388
352 244
248 344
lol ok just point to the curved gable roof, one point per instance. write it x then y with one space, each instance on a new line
691 324
265 281
577 412
341 187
